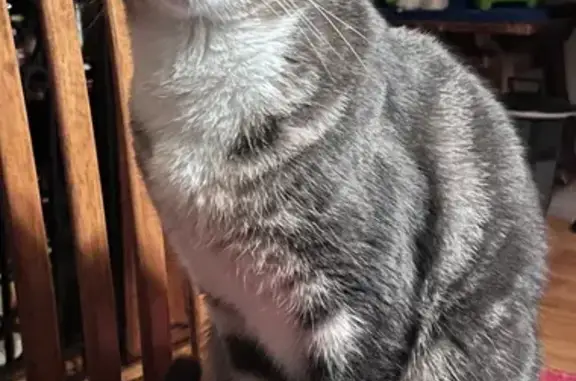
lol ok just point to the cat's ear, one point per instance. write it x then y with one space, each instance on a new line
184 369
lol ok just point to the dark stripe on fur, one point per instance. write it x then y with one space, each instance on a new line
318 370
247 356
259 138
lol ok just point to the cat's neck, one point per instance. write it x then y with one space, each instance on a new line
208 65
251 54
198 87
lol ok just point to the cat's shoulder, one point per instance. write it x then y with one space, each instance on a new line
419 61
416 41
412 48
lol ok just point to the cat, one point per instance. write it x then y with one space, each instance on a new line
353 201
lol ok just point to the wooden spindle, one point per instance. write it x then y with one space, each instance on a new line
27 245
141 222
84 189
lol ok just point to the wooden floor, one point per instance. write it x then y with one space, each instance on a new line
558 312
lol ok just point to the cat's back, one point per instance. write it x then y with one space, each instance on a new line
460 142
443 110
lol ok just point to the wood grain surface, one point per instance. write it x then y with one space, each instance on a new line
84 189
141 222
495 28
27 245
558 308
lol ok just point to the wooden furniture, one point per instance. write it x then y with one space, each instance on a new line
143 251
492 28
516 29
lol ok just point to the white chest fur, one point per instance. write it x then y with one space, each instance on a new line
189 76
260 314
195 86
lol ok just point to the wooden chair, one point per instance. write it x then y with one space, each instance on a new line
27 243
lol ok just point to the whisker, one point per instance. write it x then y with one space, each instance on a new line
95 19
346 24
320 36
337 30
310 42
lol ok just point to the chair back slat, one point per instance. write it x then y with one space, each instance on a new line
70 94
119 45
140 280
141 221
198 321
27 244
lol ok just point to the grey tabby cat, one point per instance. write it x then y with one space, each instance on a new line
352 199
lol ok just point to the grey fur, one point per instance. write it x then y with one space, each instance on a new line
353 197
